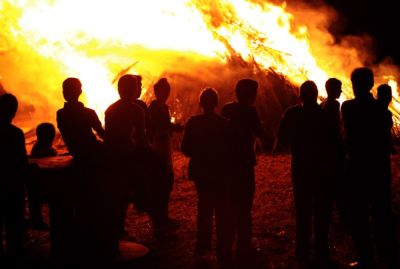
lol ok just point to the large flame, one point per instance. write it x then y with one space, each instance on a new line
44 41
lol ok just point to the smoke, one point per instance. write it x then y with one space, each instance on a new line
339 54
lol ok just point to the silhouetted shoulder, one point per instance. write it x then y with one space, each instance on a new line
112 107
330 105
156 106
228 108
130 107
91 112
292 110
192 121
346 105
59 112
142 104
121 118
198 119
153 104
16 134
12 147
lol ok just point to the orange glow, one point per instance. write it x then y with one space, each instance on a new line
45 41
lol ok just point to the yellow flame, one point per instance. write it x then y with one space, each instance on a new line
396 98
95 39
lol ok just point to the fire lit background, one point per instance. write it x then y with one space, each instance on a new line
194 43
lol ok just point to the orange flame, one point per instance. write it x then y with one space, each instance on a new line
45 41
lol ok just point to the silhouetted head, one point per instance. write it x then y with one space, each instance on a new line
246 91
127 87
333 88
139 86
308 93
8 107
384 94
45 133
362 80
162 90
72 89
208 99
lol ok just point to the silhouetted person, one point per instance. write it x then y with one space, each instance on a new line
148 170
206 143
141 103
124 134
368 163
246 127
45 133
307 130
331 106
13 162
160 131
384 99
141 176
125 121
89 192
76 122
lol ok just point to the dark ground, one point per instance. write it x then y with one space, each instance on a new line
273 216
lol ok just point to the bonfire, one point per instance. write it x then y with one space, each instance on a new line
195 43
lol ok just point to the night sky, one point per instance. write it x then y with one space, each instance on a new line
379 19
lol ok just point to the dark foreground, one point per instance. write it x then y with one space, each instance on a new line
273 220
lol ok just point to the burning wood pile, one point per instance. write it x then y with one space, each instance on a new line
194 43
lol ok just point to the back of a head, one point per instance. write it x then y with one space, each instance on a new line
208 99
246 90
362 80
384 94
72 89
309 92
162 88
45 132
333 87
127 87
138 86
8 107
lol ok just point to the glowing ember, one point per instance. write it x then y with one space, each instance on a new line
44 41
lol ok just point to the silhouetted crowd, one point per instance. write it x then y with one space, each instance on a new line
340 158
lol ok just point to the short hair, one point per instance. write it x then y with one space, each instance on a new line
309 92
384 93
138 78
208 98
72 89
331 85
362 80
246 89
127 86
45 132
161 86
138 86
8 107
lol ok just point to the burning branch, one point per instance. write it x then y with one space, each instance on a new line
124 72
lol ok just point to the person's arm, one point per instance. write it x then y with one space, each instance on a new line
22 159
344 113
96 125
139 134
187 140
64 130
